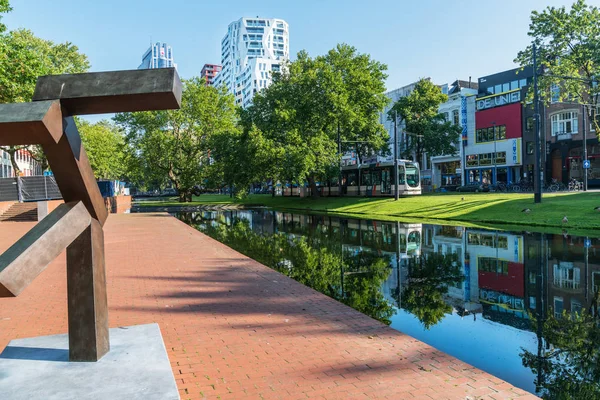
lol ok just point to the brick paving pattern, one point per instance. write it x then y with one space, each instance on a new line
235 329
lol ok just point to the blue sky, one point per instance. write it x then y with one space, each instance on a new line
441 39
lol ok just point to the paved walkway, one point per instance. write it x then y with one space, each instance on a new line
236 329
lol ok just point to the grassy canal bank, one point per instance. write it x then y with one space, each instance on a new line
482 209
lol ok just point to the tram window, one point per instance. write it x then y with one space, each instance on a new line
350 179
365 178
401 175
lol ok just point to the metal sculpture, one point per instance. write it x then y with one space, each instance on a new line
77 224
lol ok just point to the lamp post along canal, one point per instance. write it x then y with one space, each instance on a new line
396 178
538 156
586 164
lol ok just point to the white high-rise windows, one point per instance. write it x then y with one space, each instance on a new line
253 43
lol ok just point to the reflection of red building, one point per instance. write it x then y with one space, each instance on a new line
511 282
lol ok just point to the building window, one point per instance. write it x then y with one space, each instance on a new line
564 123
554 93
472 160
501 157
455 119
485 159
487 134
522 83
514 85
529 146
529 124
491 264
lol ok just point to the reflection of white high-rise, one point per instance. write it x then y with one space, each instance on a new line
251 50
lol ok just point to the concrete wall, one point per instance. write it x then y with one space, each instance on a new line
114 205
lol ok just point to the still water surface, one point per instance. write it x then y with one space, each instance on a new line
475 294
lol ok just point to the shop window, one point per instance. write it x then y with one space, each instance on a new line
565 123
594 170
529 147
455 119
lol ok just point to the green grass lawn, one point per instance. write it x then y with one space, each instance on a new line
480 208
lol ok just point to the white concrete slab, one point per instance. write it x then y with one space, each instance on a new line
137 367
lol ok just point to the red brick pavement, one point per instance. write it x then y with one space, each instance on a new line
236 329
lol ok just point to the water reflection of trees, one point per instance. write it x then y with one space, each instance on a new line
429 277
316 261
567 364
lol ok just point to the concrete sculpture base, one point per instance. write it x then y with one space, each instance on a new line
137 367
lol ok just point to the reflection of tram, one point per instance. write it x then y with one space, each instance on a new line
375 177
404 240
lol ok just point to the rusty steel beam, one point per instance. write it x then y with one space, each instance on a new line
30 123
73 173
31 254
112 92
86 296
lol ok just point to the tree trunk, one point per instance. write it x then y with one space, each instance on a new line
12 151
314 191
185 196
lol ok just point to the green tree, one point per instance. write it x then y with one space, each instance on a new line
177 145
310 103
428 280
4 8
105 147
568 367
568 43
427 129
23 58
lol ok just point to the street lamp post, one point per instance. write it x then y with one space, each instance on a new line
537 198
396 178
585 154
339 155
495 173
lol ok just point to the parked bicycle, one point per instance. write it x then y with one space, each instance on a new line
501 187
556 186
575 185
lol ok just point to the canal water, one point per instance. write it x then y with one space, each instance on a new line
522 306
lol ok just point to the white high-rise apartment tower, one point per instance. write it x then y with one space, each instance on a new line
252 49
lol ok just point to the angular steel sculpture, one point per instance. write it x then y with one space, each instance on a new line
77 224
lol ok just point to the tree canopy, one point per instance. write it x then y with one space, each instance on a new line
23 58
177 145
312 101
4 8
569 365
568 54
427 130
428 280
105 147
